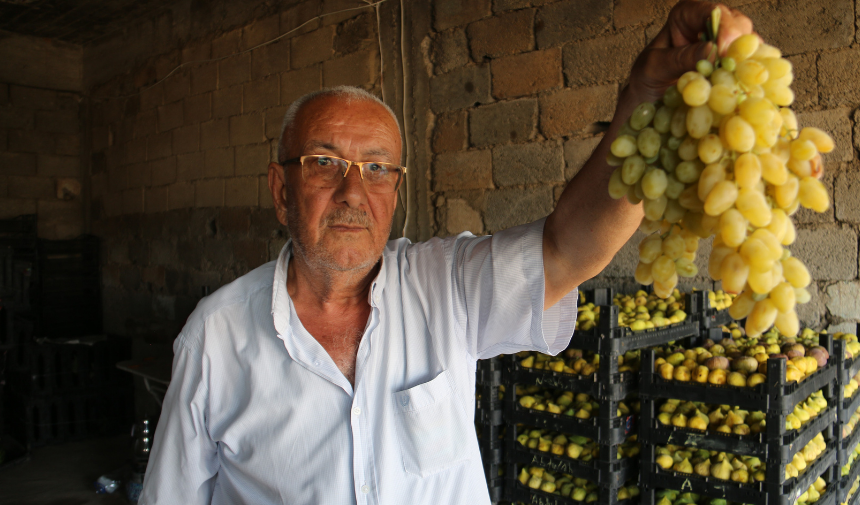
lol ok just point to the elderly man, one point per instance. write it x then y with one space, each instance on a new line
344 371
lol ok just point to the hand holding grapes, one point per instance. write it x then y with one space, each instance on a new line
721 153
678 47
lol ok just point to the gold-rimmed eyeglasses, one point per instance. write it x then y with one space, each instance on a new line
328 171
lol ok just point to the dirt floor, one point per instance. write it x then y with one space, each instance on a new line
64 474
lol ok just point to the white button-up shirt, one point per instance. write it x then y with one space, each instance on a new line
258 413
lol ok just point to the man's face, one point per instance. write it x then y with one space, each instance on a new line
342 228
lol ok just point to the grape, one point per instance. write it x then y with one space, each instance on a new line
686 79
721 198
786 193
617 188
747 170
783 297
632 169
733 227
823 142
755 254
642 115
743 47
723 99
795 272
787 323
643 274
722 154
686 268
734 272
761 318
773 169
710 148
696 93
650 249
739 134
751 72
698 121
654 208
673 246
803 150
623 146
689 149
753 206
654 183
742 305
648 142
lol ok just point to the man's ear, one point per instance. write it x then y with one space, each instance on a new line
278 188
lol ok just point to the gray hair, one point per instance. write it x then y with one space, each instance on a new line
348 93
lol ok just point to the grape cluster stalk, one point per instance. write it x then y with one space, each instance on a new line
721 155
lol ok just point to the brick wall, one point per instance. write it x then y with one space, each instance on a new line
179 162
518 88
40 134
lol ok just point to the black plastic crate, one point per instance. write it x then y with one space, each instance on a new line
516 492
52 368
830 497
845 488
605 471
8 337
603 429
769 396
849 367
773 491
38 421
785 445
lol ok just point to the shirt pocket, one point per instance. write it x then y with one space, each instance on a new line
432 428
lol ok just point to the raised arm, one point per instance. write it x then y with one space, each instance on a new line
588 227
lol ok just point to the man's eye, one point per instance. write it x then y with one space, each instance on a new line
324 161
374 167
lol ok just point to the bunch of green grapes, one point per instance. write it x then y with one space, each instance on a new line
721 155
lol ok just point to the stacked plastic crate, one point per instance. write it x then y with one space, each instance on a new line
848 415
489 423
769 451
609 472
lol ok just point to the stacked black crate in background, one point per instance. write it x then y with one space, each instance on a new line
58 373
489 422
609 426
69 389
848 433
775 446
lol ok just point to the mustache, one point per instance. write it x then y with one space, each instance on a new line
349 217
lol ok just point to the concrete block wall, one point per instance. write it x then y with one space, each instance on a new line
41 129
518 89
179 161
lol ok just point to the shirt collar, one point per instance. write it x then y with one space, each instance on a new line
281 298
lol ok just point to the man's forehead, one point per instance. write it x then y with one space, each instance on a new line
315 146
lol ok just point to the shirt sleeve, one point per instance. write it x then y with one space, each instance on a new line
499 286
184 459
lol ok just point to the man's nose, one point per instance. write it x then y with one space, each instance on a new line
351 189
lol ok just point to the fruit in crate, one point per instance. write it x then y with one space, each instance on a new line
568 486
719 465
572 446
851 387
852 457
639 311
734 420
741 362
722 155
575 361
852 490
813 494
848 429
852 347
579 405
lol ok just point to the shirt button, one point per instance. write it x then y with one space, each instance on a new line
356 411
365 489
316 363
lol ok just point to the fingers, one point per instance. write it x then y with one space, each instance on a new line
733 25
